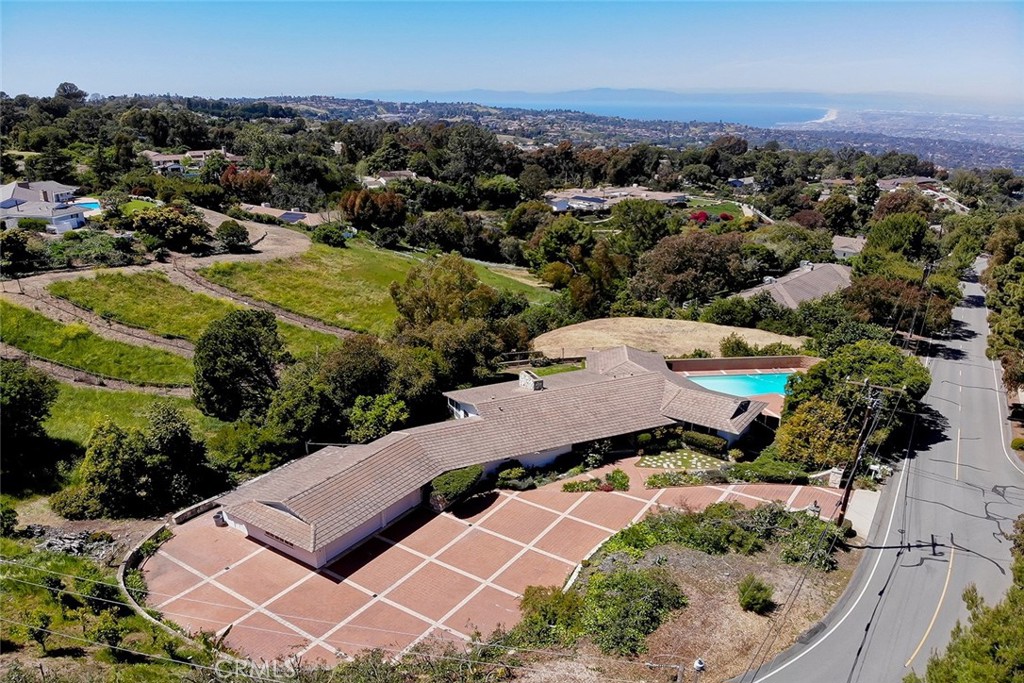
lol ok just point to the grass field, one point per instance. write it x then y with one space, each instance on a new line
681 459
79 347
78 410
343 287
671 338
152 302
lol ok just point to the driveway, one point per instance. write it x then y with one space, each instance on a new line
426 577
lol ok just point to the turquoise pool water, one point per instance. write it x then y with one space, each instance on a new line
88 205
745 385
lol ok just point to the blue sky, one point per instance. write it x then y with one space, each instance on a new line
226 48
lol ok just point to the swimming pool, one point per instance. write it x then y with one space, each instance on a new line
89 205
745 385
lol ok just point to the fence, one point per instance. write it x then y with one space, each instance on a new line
288 316
88 376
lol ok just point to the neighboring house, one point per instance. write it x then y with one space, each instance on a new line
604 198
847 247
920 182
740 183
382 179
47 200
306 218
169 164
809 281
320 506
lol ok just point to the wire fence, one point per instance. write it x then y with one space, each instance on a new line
288 316
84 376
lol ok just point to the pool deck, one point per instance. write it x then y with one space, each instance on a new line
775 402
709 373
89 213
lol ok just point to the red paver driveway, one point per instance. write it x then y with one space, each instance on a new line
427 576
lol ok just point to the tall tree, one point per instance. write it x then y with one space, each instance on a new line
235 365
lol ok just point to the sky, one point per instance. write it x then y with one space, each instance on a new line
225 48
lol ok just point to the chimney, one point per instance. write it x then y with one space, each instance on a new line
529 380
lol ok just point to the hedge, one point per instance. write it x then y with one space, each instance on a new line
770 470
664 480
706 443
449 487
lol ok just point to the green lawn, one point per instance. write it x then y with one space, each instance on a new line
77 346
136 205
556 369
343 287
681 459
152 302
714 208
78 410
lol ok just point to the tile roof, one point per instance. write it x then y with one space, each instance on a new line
853 245
314 501
804 284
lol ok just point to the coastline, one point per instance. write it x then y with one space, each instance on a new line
830 115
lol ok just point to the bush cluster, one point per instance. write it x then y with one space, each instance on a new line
725 527
1017 444
704 443
768 469
664 480
616 611
449 487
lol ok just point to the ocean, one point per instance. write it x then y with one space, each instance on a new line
759 116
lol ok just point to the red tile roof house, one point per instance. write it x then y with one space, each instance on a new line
316 508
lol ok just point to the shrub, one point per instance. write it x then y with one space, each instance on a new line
755 595
705 443
150 546
624 607
135 582
1017 444
8 519
767 469
449 487
812 543
331 234
233 236
551 616
735 454
664 480
643 439
581 486
618 480
511 473
75 502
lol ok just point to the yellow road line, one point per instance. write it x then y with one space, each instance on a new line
945 586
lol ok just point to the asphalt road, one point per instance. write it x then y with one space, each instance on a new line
939 527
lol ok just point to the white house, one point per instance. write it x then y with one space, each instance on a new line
47 200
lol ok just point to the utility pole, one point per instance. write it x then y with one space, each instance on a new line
873 401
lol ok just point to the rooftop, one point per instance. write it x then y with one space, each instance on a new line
804 284
314 501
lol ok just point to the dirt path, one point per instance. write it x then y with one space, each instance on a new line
69 375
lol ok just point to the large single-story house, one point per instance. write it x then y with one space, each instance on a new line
316 508
48 200
604 198
809 281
